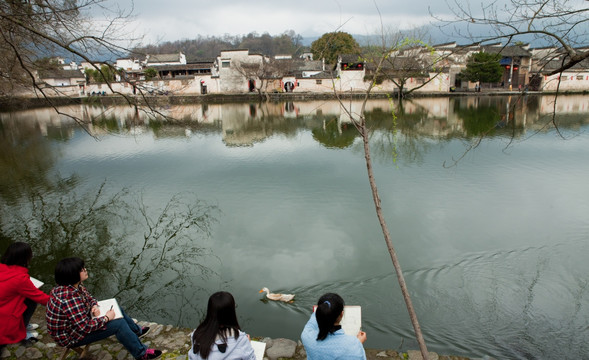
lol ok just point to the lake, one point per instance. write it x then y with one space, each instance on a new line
486 200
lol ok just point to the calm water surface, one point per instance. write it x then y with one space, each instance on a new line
487 203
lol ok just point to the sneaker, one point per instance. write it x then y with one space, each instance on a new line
31 334
31 327
151 354
144 331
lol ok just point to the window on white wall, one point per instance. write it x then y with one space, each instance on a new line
318 82
225 64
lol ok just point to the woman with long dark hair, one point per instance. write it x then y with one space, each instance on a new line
219 335
18 296
323 336
73 315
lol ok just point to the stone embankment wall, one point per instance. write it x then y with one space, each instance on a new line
175 343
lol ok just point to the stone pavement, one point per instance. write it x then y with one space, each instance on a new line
174 343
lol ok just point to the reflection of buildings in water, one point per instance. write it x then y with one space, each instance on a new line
245 124
564 104
290 110
45 119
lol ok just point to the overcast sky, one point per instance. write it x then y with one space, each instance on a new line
186 19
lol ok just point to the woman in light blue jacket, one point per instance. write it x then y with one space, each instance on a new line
219 335
323 336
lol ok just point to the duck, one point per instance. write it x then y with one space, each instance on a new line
277 297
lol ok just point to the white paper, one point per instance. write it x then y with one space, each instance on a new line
352 321
38 283
259 349
105 305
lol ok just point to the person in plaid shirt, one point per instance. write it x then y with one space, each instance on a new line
72 314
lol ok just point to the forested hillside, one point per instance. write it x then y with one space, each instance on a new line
206 47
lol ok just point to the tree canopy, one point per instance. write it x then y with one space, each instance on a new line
32 30
332 44
288 42
483 67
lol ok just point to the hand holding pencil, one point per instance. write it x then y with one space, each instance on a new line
110 314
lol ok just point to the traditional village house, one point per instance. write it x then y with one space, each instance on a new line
163 62
516 62
427 69
130 69
547 60
311 76
238 71
453 59
59 82
350 70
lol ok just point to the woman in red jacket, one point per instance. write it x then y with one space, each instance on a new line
18 295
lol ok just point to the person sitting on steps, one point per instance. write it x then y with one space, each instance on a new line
219 335
18 296
72 314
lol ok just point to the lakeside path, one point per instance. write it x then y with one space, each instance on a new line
175 342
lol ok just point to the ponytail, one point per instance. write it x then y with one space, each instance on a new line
329 308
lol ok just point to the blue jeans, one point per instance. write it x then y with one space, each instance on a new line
126 332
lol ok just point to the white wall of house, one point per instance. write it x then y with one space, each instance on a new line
128 64
228 65
306 85
60 81
66 90
173 87
120 87
352 80
569 81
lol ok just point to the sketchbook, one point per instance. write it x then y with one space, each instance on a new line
259 349
105 305
352 321
38 283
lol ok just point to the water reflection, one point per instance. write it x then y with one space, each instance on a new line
246 124
26 157
150 259
485 246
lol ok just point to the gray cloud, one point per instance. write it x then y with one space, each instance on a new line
184 19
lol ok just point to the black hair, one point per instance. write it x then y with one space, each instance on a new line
18 253
329 308
221 320
67 271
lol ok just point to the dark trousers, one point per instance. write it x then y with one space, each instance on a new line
28 314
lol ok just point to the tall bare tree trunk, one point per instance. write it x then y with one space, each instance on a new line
359 121
387 236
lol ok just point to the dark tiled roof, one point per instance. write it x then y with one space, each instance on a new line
199 60
183 66
308 65
351 58
61 74
551 65
508 51
158 58
322 75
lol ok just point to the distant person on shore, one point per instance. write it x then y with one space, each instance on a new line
72 314
323 336
18 296
219 335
